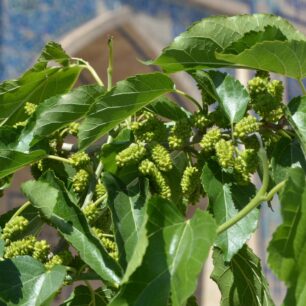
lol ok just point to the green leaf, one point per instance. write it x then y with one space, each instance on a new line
11 160
82 296
58 111
196 48
296 115
126 98
128 214
251 38
34 86
166 108
225 200
25 281
231 95
283 57
174 257
205 83
52 52
241 281
69 220
38 83
287 247
287 154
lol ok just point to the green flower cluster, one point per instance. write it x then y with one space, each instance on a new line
100 190
225 153
20 247
28 246
148 168
107 242
13 228
190 184
92 212
62 258
73 128
266 97
80 181
246 126
131 155
162 158
41 250
179 134
149 128
246 163
30 108
20 124
199 120
79 159
210 139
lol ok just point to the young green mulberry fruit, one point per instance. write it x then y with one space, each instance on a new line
245 164
92 212
162 158
246 126
73 128
20 247
30 108
149 169
62 258
41 250
242 174
79 159
276 90
131 155
274 115
149 128
20 124
251 159
225 153
190 182
80 181
257 86
265 95
210 139
199 120
179 134
13 228
100 190
107 242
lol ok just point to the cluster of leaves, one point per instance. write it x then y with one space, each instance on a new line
119 193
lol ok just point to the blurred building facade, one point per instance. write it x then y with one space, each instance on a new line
141 29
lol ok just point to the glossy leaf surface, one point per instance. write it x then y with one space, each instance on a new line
69 220
296 115
128 213
25 281
225 201
241 281
282 57
288 245
58 111
197 47
125 99
173 259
